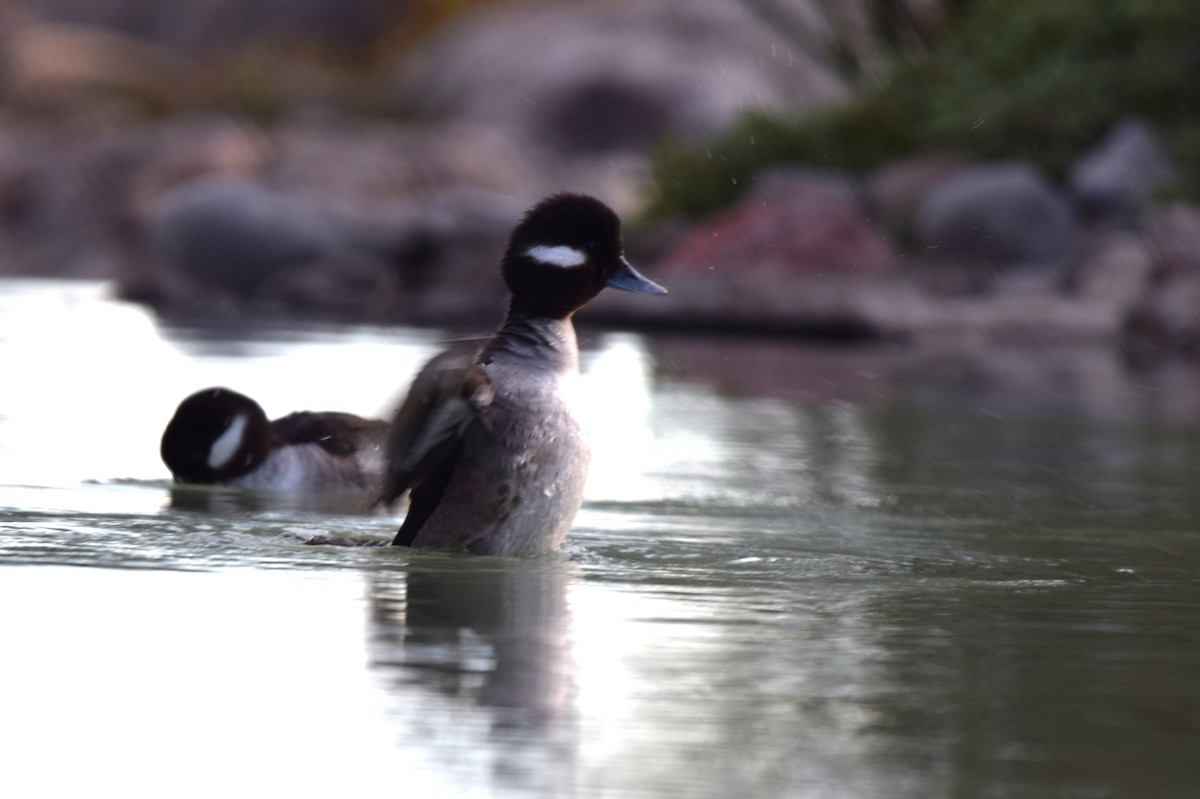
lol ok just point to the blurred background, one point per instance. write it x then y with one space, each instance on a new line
915 169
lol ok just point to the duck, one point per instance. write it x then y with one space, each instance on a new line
488 443
219 436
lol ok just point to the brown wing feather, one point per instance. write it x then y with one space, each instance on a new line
425 434
337 433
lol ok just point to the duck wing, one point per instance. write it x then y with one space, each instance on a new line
423 441
340 434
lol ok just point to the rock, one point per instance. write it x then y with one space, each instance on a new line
235 233
613 75
219 27
898 188
791 223
1119 174
342 286
1025 309
451 261
73 198
1004 214
1174 236
52 65
1115 273
433 205
1166 321
192 147
384 171
260 246
63 191
797 252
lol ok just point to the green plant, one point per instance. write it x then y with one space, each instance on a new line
1038 80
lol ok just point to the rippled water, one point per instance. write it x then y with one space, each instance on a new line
798 573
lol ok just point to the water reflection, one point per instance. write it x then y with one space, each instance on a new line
1092 383
1013 688
485 635
209 500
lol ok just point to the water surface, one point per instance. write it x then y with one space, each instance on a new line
799 572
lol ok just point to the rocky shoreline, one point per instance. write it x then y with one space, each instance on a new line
327 215
216 217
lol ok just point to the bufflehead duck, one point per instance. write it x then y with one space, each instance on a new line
220 436
487 439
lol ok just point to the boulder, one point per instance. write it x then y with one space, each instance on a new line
613 75
798 252
216 202
1003 214
72 197
236 233
791 223
251 244
1119 174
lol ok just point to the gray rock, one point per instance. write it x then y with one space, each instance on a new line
612 75
1003 214
235 233
1122 172
254 243
211 27
342 286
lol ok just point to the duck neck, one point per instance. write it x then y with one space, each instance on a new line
531 336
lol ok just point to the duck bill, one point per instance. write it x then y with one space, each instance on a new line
629 279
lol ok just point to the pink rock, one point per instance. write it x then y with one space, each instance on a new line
798 254
790 224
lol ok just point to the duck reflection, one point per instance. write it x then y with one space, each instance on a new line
489 634
222 501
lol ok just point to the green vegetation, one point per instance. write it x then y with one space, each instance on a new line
1039 80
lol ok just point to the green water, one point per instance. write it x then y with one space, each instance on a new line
798 573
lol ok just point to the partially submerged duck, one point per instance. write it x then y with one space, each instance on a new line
219 436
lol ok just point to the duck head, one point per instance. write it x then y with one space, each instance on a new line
563 253
215 435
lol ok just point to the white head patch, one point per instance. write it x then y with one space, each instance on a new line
560 255
227 443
